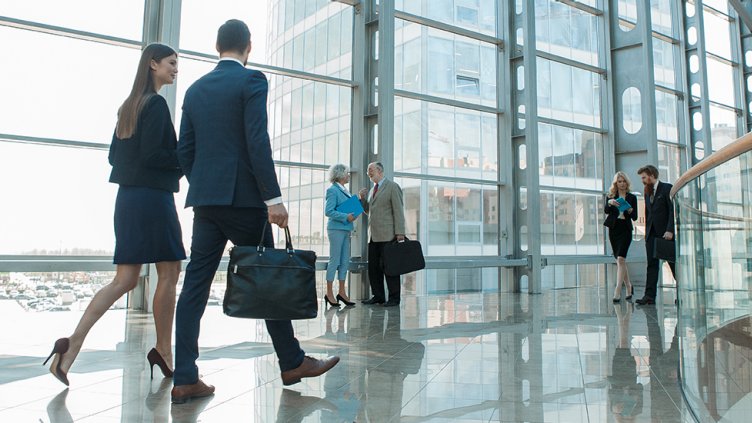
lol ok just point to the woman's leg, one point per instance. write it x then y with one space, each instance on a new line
620 265
164 306
126 278
627 281
335 245
344 264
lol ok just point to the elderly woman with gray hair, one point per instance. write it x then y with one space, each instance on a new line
339 228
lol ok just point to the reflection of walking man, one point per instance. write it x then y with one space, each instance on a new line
624 393
386 220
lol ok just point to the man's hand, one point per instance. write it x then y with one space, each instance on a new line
400 238
668 235
278 215
363 193
351 217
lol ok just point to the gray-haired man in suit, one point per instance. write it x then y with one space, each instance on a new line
386 219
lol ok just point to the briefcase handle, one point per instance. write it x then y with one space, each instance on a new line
288 239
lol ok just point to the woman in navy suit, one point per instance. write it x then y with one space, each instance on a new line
339 228
145 165
620 229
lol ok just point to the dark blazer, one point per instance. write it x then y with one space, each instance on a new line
224 146
614 211
659 211
148 158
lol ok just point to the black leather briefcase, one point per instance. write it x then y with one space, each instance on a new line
271 284
403 257
664 249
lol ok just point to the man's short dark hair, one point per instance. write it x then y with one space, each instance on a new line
233 36
650 170
379 166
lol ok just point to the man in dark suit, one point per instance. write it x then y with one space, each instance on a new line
225 152
659 222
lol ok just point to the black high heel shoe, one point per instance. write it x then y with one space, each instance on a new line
60 348
631 292
347 303
331 303
155 359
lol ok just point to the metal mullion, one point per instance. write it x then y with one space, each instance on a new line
583 7
666 38
301 165
572 125
210 58
446 101
570 62
721 59
570 190
448 28
668 90
439 178
23 139
69 32
726 107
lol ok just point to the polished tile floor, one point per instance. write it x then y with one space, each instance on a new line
564 356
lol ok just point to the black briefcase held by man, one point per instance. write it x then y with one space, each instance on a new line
664 249
401 257
271 284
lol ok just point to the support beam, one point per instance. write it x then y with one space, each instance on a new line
744 10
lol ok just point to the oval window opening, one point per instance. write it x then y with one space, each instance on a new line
631 102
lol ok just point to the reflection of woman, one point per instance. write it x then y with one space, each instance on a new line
338 229
624 393
145 165
620 229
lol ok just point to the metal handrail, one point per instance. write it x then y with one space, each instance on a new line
731 151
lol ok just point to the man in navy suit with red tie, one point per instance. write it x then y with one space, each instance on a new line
225 152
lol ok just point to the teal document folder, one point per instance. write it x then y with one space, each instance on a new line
352 205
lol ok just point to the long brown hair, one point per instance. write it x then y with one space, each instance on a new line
613 192
142 91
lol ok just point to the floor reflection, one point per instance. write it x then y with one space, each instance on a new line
564 356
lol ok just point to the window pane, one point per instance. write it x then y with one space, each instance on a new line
62 202
557 85
73 100
568 32
722 126
663 63
666 106
435 139
660 16
309 119
475 15
717 35
457 67
124 19
460 219
570 158
720 82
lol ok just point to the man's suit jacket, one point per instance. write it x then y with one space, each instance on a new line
386 215
224 146
659 211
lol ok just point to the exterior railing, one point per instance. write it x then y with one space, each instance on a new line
713 203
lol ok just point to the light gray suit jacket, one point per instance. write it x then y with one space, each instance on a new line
386 215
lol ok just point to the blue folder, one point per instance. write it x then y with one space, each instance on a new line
623 205
352 205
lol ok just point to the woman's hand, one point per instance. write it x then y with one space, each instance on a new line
613 202
630 210
351 218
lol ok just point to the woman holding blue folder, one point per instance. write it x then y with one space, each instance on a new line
621 208
342 212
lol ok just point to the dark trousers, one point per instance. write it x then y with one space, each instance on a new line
212 228
376 274
654 267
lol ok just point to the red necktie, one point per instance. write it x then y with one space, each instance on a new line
375 190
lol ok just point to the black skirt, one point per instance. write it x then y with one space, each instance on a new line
147 229
621 237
